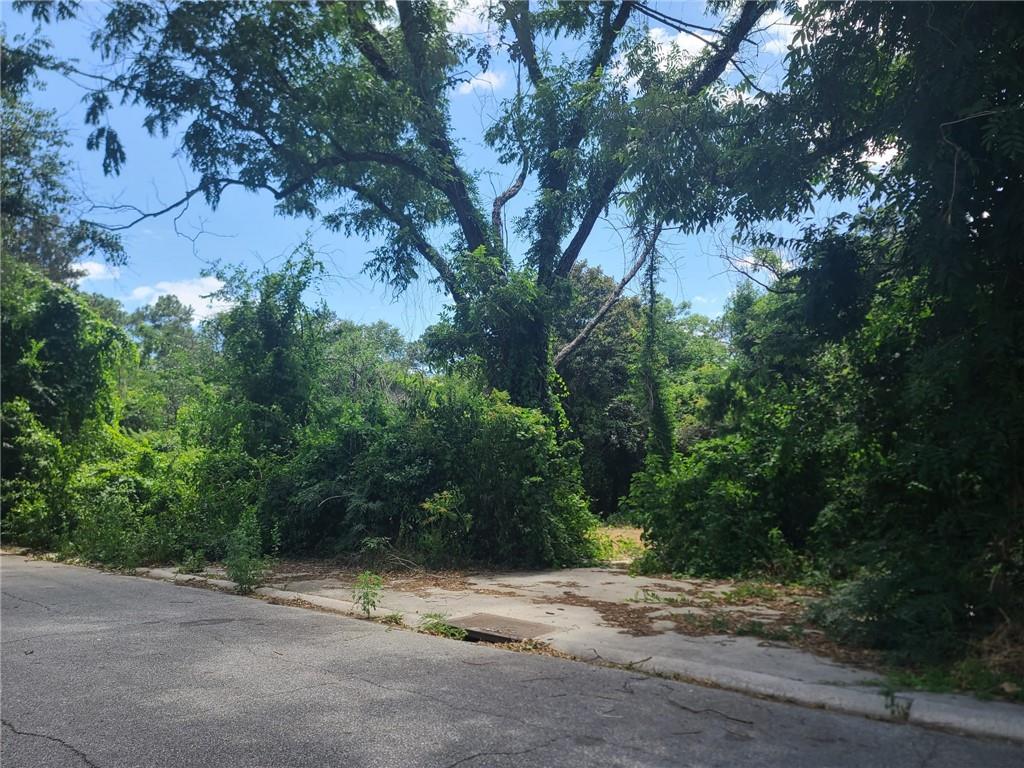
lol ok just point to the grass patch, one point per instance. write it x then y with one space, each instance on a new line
656 598
749 591
971 675
437 624
616 543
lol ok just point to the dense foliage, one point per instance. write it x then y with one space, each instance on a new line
871 423
855 417
301 426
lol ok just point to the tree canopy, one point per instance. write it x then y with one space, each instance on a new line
341 112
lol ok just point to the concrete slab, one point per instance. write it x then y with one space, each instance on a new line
499 629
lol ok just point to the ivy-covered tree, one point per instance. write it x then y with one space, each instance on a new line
341 111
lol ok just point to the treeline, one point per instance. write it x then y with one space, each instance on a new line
140 437
144 437
130 439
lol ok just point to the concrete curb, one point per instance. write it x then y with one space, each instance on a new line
974 718
331 604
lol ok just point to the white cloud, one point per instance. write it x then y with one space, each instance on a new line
470 18
191 292
701 300
486 82
97 270
667 43
778 32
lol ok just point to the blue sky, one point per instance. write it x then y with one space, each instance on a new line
245 230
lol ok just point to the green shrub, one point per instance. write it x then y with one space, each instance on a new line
448 473
245 563
112 529
193 562
901 610
35 468
703 514
367 591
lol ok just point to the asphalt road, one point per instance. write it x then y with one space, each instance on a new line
103 670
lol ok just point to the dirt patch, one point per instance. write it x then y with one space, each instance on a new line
537 647
421 582
413 580
626 533
633 619
495 592
293 570
783 631
689 586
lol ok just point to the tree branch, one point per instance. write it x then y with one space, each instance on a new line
555 168
523 30
590 216
671 21
610 28
725 49
369 41
204 187
452 181
610 302
711 71
406 224
504 197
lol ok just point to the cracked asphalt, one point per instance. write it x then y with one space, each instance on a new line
103 670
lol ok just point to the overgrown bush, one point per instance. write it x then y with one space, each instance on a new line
457 474
58 383
703 514
245 563
35 469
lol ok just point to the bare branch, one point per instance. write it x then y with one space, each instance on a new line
609 302
183 201
671 21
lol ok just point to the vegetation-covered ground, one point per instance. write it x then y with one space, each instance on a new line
854 421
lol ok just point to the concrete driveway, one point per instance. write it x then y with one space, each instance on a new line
104 670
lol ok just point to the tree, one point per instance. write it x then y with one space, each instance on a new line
341 111
603 403
39 220
176 361
271 346
872 417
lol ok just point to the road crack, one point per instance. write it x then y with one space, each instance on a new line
82 756
707 710
517 753
25 600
